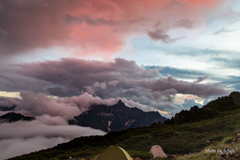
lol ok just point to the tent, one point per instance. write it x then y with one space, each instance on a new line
157 151
113 153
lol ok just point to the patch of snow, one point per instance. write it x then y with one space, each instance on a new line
129 122
109 124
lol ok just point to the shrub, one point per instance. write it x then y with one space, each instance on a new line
227 139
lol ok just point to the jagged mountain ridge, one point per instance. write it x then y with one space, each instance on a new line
116 117
13 117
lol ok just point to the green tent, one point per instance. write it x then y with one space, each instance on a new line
113 153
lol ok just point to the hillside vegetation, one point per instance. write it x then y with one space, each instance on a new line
189 132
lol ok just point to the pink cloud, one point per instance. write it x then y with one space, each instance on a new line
91 27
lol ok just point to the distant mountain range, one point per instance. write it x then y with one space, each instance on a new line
116 117
13 117
106 118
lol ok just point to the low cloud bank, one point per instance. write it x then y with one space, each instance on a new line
18 146
24 137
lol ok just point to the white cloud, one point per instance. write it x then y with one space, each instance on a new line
24 137
18 146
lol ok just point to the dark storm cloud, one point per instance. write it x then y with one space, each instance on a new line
22 21
63 91
120 78
15 82
201 90
77 73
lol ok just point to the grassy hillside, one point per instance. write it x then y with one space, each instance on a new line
227 149
195 131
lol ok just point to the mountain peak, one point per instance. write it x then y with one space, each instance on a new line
120 102
116 117
235 93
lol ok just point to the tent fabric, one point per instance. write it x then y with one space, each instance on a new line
157 151
114 153
95 158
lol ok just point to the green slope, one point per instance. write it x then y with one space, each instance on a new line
194 131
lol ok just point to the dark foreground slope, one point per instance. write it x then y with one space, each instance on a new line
116 117
220 119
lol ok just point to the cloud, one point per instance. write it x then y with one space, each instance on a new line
24 137
201 79
2 31
62 91
18 146
160 34
47 119
9 102
201 90
188 103
88 20
13 82
185 23
97 81
39 104
36 128
223 30
179 73
56 111
94 27
77 73
231 16
174 3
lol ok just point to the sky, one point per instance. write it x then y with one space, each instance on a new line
58 57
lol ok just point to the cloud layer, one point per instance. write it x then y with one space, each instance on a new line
98 81
24 137
94 25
